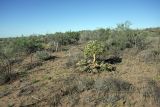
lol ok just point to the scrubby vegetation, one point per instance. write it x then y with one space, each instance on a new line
105 67
43 55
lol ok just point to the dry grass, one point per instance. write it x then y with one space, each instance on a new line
131 69
52 84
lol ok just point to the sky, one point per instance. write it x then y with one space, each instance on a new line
27 17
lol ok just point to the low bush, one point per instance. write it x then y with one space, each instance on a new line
112 85
27 45
149 55
66 38
73 59
43 55
5 69
4 78
124 38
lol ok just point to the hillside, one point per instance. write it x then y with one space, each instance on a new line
56 70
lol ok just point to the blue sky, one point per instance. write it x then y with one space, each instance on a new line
26 17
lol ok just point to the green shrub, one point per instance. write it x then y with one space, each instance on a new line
43 55
92 50
66 38
27 44
123 39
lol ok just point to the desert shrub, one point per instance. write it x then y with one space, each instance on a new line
43 55
123 26
149 55
77 84
6 73
52 46
73 59
4 78
137 39
27 44
66 38
85 83
73 37
20 46
123 37
7 77
85 36
98 34
120 40
33 45
115 44
112 85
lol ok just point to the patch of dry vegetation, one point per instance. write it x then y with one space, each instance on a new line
45 81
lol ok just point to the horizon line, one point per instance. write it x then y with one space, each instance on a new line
71 30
